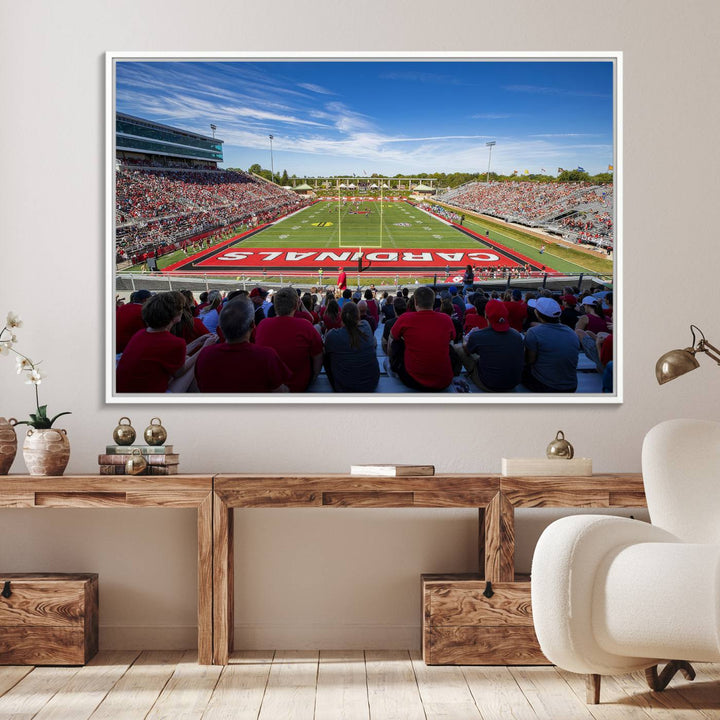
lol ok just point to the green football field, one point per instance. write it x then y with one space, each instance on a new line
328 224
388 225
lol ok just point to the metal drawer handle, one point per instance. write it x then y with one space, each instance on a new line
488 592
6 592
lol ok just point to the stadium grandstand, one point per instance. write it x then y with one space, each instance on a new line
579 212
170 193
493 311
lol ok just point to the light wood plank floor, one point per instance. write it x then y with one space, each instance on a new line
350 685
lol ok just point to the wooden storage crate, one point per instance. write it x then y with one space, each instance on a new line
461 626
48 618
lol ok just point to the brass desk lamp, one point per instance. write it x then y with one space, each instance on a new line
677 362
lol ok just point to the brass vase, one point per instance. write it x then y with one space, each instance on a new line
8 444
46 451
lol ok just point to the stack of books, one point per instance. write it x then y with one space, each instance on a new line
392 470
160 459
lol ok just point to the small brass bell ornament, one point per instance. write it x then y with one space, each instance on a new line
155 433
135 464
560 448
124 433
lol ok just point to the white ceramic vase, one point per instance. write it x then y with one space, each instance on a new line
46 451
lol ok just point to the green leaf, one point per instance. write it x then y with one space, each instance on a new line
42 411
67 412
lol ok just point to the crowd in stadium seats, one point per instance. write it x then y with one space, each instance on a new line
442 212
163 207
591 228
557 206
280 341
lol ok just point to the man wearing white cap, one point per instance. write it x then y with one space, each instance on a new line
551 352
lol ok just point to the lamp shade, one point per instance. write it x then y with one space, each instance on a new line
675 363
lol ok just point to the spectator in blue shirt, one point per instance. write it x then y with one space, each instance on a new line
551 352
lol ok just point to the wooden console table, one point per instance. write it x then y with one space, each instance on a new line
495 497
92 491
215 498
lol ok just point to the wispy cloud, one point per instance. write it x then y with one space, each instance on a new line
315 88
348 120
181 108
436 137
491 116
565 135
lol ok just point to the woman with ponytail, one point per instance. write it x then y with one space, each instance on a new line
350 358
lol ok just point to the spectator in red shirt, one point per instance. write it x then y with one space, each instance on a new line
362 307
154 358
331 319
237 365
309 307
517 310
296 341
203 302
342 279
128 319
594 318
448 308
424 362
372 306
476 319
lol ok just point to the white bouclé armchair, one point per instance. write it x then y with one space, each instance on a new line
613 595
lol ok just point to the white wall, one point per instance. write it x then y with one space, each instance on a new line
330 578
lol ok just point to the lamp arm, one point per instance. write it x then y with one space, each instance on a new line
710 350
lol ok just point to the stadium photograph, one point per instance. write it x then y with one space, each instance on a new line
363 228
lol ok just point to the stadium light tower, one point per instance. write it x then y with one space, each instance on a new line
272 165
213 128
489 145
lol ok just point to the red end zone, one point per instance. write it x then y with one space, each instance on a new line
395 259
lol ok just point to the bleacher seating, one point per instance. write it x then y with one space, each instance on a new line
164 206
580 212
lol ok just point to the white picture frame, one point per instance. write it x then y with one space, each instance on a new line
442 398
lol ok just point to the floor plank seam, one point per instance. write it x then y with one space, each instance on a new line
317 681
265 687
367 685
417 684
19 680
472 694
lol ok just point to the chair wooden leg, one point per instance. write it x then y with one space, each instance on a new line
592 689
659 682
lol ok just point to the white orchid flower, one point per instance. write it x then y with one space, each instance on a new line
5 347
13 320
23 364
35 377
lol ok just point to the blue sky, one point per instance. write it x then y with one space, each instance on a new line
388 117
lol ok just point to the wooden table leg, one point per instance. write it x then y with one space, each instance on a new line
499 518
223 581
481 541
205 579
